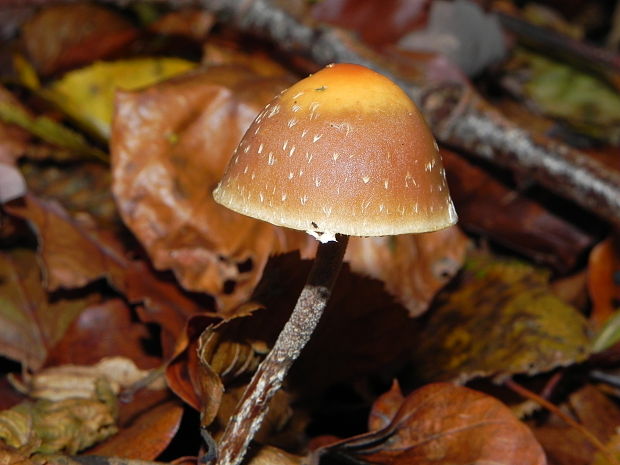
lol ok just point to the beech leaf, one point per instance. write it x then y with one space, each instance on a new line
32 322
503 319
443 424
170 145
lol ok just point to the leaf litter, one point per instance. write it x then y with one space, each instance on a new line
134 260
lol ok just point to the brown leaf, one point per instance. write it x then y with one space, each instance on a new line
146 437
191 23
596 412
75 253
32 321
170 144
566 445
188 378
214 362
103 330
487 206
64 36
413 266
385 408
378 23
71 253
446 424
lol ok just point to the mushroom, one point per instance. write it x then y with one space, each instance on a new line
343 152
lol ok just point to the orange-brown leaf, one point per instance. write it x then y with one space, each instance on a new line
147 436
64 36
443 424
32 321
170 144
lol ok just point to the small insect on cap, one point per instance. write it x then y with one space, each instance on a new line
344 150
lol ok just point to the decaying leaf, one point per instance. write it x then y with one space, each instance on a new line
443 424
31 320
170 144
556 89
597 413
71 381
62 36
412 266
502 319
49 131
69 425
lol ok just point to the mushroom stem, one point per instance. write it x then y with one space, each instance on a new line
269 376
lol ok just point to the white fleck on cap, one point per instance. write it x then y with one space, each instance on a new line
342 151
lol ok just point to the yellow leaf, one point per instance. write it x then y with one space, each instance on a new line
87 94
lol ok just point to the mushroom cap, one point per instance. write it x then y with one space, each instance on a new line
345 151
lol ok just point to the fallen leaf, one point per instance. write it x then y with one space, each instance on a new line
64 36
396 18
190 379
585 102
87 94
502 319
170 144
71 252
32 321
80 381
385 408
146 437
444 424
192 23
596 413
105 329
69 425
412 266
75 253
269 455
50 131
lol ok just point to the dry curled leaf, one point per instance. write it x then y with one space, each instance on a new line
502 319
443 424
69 425
70 381
170 144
